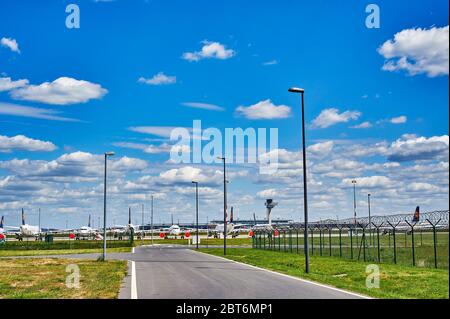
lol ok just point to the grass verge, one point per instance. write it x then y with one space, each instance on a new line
396 281
18 253
46 278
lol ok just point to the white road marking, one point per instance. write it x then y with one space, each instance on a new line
284 275
133 281
132 250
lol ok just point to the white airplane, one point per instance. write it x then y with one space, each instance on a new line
127 230
87 232
2 230
174 230
25 230
232 228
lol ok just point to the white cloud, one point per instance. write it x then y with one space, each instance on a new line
271 62
185 175
61 91
329 117
154 149
264 110
412 148
161 131
23 143
370 182
7 84
203 106
11 44
321 149
210 50
362 125
399 120
159 79
267 193
418 51
33 112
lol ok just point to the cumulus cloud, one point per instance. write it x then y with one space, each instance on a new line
329 117
412 148
321 149
6 84
210 50
185 175
264 110
70 167
61 91
418 51
11 44
399 120
23 143
159 79
370 182
33 112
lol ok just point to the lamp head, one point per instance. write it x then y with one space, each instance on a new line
110 153
296 90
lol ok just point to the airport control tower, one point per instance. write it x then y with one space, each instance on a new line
269 205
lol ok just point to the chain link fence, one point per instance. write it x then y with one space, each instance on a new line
397 239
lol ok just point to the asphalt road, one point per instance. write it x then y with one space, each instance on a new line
180 273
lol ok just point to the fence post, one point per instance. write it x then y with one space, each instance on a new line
412 242
351 243
320 240
434 240
297 240
395 242
340 242
284 240
329 239
312 241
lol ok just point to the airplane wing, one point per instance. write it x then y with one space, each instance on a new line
12 228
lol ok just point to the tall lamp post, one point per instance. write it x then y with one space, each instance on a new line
224 206
305 189
151 222
104 205
196 210
370 221
354 209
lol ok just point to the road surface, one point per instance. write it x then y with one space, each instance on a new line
179 273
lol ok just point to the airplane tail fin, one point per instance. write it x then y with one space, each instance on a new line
416 217
1 222
231 215
23 217
129 215
89 222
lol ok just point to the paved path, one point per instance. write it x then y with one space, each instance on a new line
187 274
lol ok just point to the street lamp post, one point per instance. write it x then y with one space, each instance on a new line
305 189
104 205
151 222
196 209
354 209
224 206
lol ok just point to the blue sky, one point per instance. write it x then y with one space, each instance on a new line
323 46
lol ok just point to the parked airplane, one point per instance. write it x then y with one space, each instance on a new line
87 232
174 230
232 228
120 230
25 230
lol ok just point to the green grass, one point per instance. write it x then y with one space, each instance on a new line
61 245
43 252
46 278
396 281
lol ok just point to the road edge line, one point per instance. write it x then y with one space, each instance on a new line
289 276
133 281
